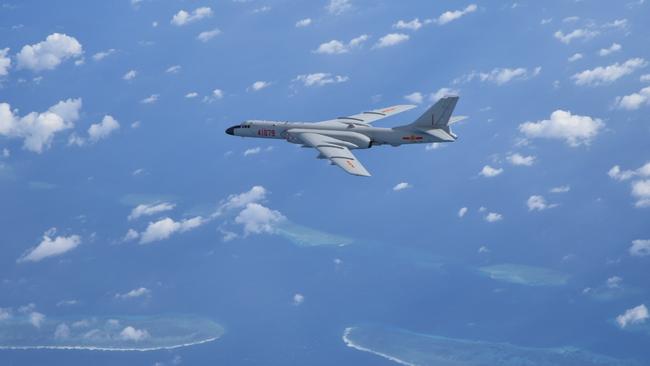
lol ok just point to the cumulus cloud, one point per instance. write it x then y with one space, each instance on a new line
5 314
490 172
452 15
413 25
259 85
208 35
641 190
538 203
635 100
252 151
183 17
36 319
402 186
335 47
391 39
608 74
616 173
615 47
132 334
135 293
103 54
164 228
560 189
575 57
636 315
441 93
640 248
462 212
575 34
174 69
518 159
303 23
5 62
640 187
320 79
191 95
500 76
298 299
237 201
130 75
153 98
258 219
150 209
493 217
49 247
103 129
49 54
131 235
415 98
38 129
337 7
574 129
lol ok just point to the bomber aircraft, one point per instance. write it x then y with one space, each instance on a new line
335 138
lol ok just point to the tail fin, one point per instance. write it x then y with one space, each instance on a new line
438 116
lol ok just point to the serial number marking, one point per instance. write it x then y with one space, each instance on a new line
266 133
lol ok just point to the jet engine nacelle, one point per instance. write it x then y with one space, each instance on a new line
349 139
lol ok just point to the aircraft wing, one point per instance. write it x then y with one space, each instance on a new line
374 115
334 150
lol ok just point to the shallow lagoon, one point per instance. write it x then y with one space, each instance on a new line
117 333
409 348
525 275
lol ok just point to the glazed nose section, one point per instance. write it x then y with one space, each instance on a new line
231 130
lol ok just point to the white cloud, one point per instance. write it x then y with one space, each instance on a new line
618 23
49 247
173 69
208 35
191 95
538 203
634 100
103 129
574 129
616 173
570 19
259 85
320 79
135 293
183 17
236 201
38 129
5 62
303 23
130 75
614 282
575 57
414 24
518 159
640 248
153 98
615 47
576 34
608 74
636 315
258 219
150 209
560 189
298 299
490 172
500 76
334 47
103 54
415 98
36 319
462 212
252 151
441 93
5 314
131 235
391 39
493 217
164 228
338 7
217 94
640 187
132 334
641 190
449 16
49 54
62 331
644 78
262 9
402 186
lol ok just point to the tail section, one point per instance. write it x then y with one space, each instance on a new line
436 120
438 116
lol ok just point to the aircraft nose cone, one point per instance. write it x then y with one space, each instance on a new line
230 131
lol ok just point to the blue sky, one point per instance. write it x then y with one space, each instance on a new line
117 177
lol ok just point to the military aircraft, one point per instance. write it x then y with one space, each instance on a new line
335 138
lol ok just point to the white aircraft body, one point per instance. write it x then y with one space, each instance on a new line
334 139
